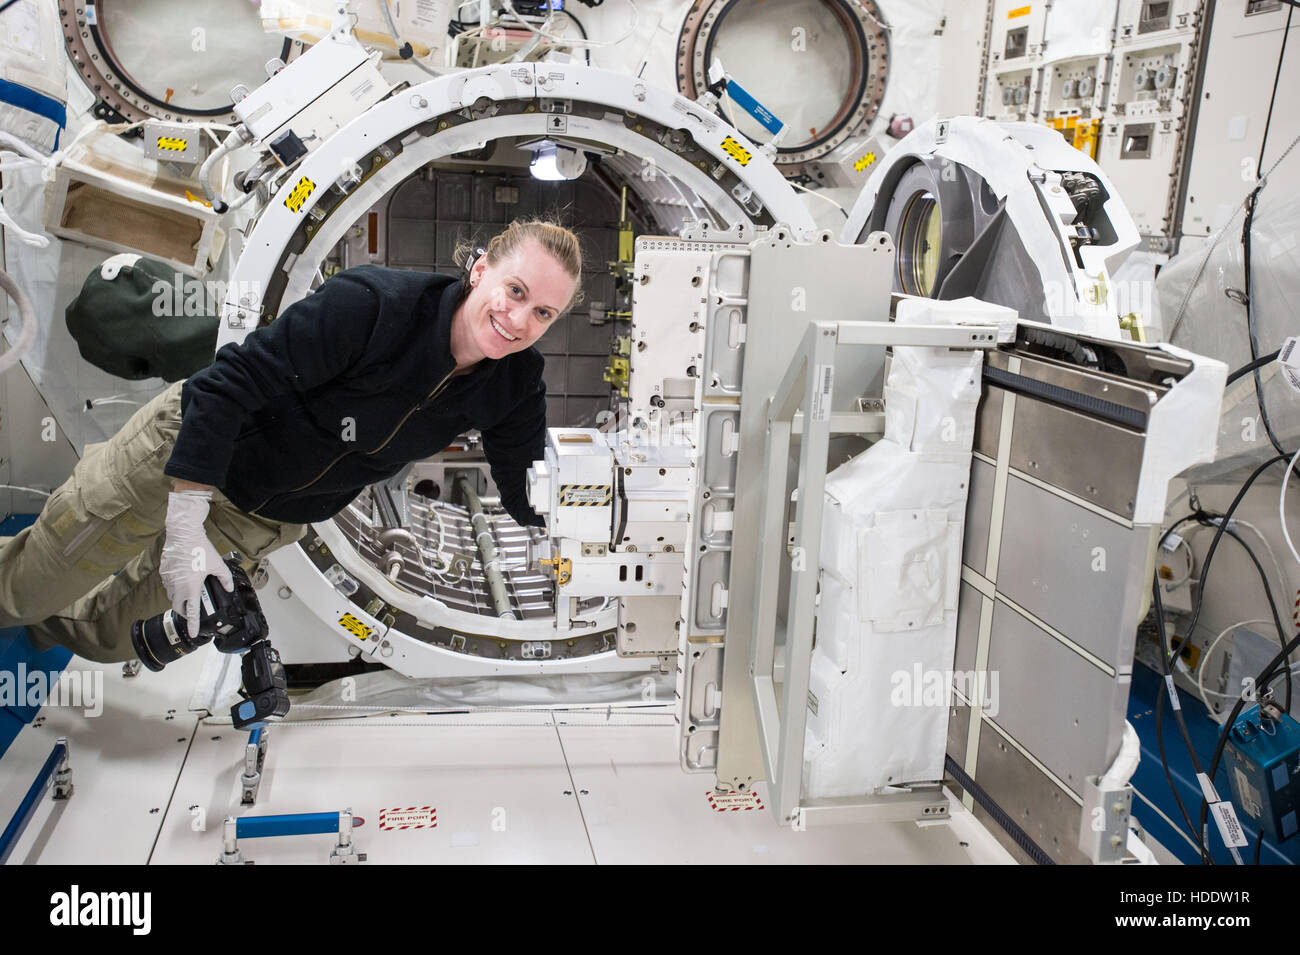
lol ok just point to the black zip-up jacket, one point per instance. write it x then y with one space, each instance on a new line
344 389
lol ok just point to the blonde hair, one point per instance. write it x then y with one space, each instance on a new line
562 244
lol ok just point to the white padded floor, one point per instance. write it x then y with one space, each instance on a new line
153 783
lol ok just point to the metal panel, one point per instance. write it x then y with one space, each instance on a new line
645 626
455 194
968 631
979 514
1065 448
988 421
411 243
1050 698
700 683
1042 809
1071 567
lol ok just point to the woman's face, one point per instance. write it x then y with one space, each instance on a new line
511 304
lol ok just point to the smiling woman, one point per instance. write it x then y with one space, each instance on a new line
515 290
388 366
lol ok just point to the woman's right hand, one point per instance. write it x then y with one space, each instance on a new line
188 557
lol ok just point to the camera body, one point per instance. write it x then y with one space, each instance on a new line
234 623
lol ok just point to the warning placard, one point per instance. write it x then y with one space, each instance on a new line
585 495
410 817
734 801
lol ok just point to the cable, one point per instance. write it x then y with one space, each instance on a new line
1197 833
569 41
19 487
1214 544
1268 594
1268 120
1262 680
1246 229
813 192
1259 844
403 48
1191 565
1205 659
1259 362
1166 660
1282 578
1281 507
582 30
27 314
1214 244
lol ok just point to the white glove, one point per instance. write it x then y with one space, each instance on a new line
188 557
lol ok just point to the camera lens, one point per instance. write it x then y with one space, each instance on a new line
163 638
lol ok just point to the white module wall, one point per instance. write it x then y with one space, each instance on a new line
1015 53
1244 41
1075 87
1143 144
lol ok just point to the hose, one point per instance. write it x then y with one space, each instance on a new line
27 314
240 137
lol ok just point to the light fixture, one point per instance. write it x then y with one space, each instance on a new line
552 162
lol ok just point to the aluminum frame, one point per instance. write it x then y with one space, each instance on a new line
782 717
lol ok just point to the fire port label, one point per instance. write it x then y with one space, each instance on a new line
410 817
734 801
355 627
585 495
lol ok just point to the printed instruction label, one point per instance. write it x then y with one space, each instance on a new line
734 801
821 409
1229 827
1289 358
1251 803
410 817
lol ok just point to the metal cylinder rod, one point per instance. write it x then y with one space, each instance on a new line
487 548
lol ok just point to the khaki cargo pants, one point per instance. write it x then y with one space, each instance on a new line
88 568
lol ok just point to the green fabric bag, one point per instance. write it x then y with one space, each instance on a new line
138 318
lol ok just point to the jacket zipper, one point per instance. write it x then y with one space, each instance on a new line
433 394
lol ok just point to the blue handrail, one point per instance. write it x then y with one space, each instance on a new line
27 808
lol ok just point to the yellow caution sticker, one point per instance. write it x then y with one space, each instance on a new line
301 192
174 143
865 161
736 151
355 627
1018 12
585 495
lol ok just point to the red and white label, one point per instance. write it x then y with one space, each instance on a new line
734 801
410 817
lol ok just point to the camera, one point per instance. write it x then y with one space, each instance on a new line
234 623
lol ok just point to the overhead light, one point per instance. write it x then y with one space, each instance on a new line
552 162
